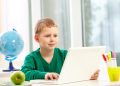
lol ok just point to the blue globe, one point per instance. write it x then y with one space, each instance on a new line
11 44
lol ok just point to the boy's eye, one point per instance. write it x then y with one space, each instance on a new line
55 35
47 36
50 35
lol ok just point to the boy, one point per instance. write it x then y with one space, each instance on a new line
46 62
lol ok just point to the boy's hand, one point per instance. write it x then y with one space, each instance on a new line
51 76
95 75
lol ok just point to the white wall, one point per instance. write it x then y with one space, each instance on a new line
1 14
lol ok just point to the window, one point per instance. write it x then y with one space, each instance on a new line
59 11
101 22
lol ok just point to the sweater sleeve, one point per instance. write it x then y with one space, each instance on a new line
29 69
64 53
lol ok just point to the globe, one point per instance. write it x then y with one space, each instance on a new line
11 44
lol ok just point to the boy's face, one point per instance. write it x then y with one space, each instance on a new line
48 38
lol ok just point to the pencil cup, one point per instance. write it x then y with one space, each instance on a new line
114 73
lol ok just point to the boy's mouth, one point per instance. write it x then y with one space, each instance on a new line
51 44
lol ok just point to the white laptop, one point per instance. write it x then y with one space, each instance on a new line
79 65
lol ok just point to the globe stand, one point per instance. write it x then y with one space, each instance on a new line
11 67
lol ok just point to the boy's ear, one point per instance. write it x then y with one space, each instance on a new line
36 37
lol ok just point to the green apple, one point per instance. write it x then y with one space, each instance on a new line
17 77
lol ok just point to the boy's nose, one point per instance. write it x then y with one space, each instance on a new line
52 38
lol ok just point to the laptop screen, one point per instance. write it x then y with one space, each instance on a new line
81 63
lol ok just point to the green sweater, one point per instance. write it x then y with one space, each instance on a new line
35 67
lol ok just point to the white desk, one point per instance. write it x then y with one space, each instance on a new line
84 83
5 81
4 78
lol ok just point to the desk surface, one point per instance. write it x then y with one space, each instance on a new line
7 82
83 83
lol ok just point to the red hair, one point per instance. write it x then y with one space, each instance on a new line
44 23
